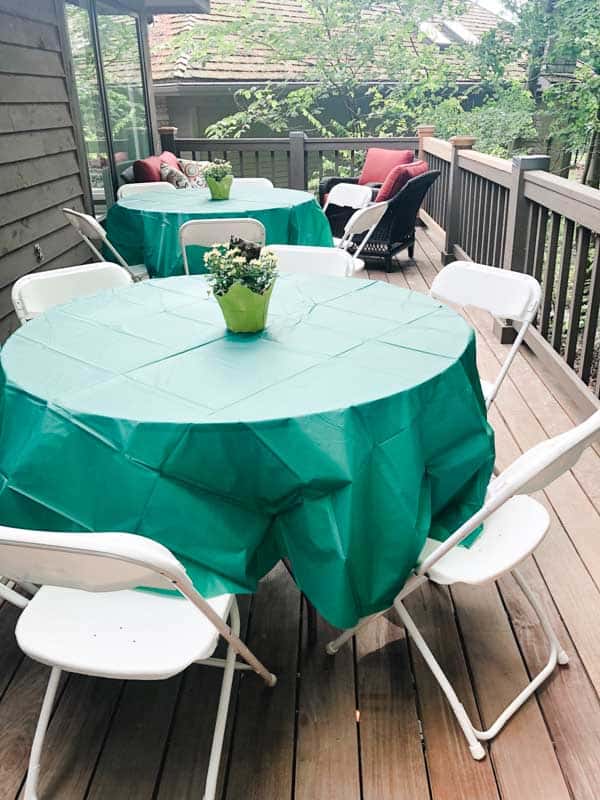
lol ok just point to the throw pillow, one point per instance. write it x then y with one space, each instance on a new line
398 177
147 170
380 161
194 172
174 176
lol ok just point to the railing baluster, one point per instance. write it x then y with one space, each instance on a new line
532 221
273 178
581 257
320 158
242 169
563 285
486 218
591 318
540 244
256 164
492 225
336 158
209 154
548 284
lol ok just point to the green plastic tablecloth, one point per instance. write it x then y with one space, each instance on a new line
145 228
341 437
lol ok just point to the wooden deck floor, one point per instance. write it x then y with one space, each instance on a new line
370 723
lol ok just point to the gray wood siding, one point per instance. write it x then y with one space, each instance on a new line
40 167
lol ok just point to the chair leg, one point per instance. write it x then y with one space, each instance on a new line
475 746
332 647
212 775
40 734
472 734
411 250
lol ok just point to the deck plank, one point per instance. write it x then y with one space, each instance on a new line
263 739
130 762
327 739
76 735
453 773
389 724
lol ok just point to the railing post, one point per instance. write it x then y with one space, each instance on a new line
167 135
516 218
422 132
458 143
298 173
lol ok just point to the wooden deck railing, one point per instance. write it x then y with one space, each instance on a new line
294 162
516 215
510 214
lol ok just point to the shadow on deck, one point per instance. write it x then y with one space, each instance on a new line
370 723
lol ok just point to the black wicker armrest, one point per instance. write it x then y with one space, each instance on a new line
327 184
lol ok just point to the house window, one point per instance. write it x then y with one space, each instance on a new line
107 61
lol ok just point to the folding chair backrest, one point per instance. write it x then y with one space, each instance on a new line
129 189
34 294
313 260
206 232
94 562
506 294
90 231
257 183
531 472
545 462
350 195
364 219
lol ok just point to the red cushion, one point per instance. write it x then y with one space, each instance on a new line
398 177
379 162
146 170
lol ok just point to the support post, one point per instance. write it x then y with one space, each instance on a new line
516 218
516 230
298 173
167 138
457 143
422 132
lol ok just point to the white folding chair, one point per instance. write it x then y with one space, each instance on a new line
129 189
313 260
363 221
514 524
206 232
89 619
350 195
90 231
505 294
253 183
36 293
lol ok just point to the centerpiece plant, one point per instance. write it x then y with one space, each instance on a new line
219 177
242 276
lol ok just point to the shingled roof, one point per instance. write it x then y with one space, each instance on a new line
256 65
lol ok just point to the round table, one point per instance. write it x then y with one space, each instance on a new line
340 438
145 228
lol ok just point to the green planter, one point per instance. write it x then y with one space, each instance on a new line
219 190
245 311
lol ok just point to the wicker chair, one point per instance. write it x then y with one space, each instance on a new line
396 231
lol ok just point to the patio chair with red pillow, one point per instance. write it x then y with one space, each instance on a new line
379 162
396 231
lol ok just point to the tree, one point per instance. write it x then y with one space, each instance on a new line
350 55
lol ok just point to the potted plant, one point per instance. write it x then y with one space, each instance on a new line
219 177
242 276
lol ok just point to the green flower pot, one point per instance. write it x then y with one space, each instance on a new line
219 190
245 311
